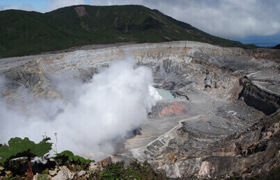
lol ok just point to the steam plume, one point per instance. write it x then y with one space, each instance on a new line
114 102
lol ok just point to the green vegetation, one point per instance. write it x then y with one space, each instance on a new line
68 158
18 152
18 147
22 148
135 170
25 33
43 177
273 174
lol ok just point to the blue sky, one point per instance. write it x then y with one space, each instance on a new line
36 4
248 21
264 41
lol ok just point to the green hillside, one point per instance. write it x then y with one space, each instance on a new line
25 33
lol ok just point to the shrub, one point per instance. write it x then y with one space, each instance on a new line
22 148
68 158
135 170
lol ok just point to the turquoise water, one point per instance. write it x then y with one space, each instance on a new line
164 94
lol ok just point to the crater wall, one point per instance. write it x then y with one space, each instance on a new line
225 99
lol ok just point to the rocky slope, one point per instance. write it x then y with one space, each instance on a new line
223 122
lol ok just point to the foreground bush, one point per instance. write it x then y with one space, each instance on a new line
15 163
21 151
135 170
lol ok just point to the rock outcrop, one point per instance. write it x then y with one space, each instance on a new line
255 96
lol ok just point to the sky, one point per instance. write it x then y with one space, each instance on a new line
248 21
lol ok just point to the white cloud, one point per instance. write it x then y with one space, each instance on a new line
26 7
114 2
55 4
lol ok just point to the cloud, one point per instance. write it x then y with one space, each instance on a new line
224 18
114 2
55 4
26 7
97 113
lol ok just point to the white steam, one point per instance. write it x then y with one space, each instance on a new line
115 102
154 93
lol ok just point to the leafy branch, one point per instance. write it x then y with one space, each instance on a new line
20 148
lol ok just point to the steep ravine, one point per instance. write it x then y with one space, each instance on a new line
223 122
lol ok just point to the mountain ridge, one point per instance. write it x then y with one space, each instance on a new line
277 46
26 33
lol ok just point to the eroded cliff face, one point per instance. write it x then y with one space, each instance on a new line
223 122
255 96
